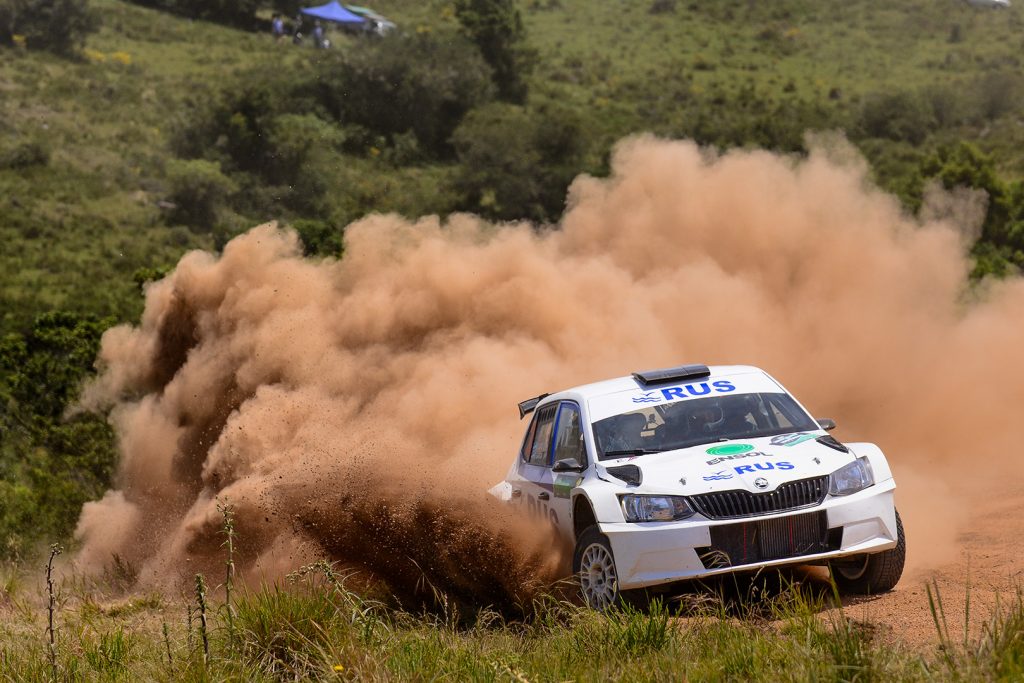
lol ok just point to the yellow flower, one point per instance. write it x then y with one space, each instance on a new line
374 152
18 39
339 667
94 56
122 57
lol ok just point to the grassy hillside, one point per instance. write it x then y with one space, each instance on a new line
86 144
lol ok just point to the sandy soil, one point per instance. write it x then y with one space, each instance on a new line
990 568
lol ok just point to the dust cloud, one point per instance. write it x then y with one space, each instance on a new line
358 409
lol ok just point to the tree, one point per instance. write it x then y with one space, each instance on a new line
404 83
517 163
50 464
497 29
964 165
236 12
59 26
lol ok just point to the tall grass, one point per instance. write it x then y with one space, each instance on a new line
315 627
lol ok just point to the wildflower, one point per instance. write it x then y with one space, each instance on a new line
94 56
339 667
122 57
18 39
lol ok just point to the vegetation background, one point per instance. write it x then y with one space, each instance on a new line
132 132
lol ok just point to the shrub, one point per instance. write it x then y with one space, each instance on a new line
24 155
416 83
320 238
899 115
49 465
497 29
198 189
59 26
236 12
517 163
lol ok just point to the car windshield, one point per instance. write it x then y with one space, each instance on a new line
698 421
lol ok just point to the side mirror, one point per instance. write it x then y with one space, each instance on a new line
826 423
567 465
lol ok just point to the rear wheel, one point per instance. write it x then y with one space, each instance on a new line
874 573
593 563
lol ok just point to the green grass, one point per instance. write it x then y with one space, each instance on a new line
316 629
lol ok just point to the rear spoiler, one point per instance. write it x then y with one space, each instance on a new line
527 406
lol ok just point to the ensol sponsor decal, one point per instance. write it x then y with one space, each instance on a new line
730 449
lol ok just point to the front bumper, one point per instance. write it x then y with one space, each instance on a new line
653 553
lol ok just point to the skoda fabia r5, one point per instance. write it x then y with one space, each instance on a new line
689 472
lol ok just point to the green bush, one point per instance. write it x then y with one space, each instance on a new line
49 464
900 115
517 163
321 238
59 26
236 12
497 29
403 83
24 155
198 190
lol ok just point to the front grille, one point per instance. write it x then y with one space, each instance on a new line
769 539
733 504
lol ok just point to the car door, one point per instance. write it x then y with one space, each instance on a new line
532 483
555 434
568 444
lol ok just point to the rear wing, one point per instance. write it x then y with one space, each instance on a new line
527 406
678 374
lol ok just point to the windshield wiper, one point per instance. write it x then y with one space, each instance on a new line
632 451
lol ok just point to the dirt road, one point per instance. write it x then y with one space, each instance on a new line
990 566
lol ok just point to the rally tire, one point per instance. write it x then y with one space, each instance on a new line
874 573
593 564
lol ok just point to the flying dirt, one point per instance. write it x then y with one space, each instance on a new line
359 408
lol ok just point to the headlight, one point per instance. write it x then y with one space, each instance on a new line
655 508
850 478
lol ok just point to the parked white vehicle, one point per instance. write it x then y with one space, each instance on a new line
693 471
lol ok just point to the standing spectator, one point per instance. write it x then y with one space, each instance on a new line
277 27
318 35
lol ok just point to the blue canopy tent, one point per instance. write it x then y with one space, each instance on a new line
334 12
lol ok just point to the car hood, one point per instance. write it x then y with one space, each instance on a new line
731 465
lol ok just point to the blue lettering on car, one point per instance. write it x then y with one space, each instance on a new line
764 466
699 389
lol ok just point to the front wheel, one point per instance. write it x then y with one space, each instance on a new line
874 573
593 563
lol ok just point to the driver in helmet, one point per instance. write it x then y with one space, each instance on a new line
706 417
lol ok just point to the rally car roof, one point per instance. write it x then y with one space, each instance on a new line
640 380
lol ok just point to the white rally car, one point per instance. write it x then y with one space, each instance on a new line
694 471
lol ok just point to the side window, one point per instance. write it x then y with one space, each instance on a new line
524 452
569 435
541 445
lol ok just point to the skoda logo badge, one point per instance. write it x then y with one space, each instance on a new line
761 483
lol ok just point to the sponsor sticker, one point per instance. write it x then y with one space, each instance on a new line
739 456
752 468
721 386
564 484
792 439
763 467
729 449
